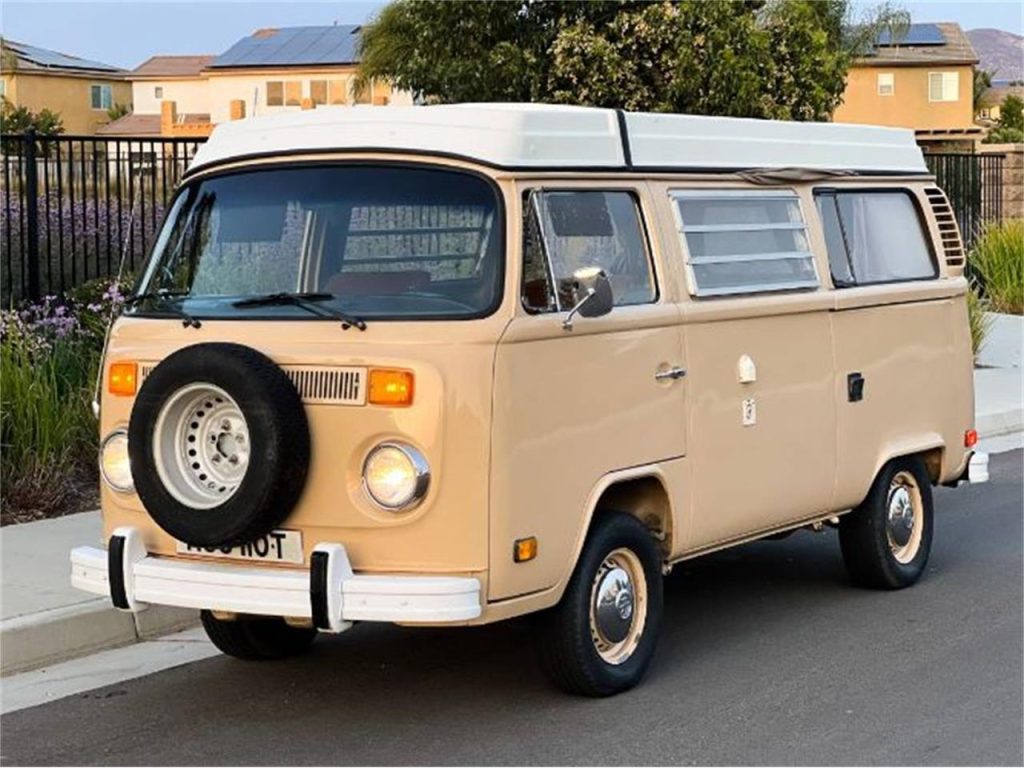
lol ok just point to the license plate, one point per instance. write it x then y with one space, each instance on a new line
274 547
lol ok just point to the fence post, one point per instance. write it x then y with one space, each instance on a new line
31 216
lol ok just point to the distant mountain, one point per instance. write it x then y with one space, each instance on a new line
1001 53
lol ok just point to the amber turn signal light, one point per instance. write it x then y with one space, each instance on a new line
970 438
525 549
122 379
390 387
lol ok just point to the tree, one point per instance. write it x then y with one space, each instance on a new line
15 119
982 82
1010 129
756 58
118 111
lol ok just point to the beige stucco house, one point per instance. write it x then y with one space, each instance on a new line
79 90
924 81
272 70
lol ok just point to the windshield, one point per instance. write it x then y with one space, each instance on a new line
385 242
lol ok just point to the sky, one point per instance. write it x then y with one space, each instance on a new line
127 33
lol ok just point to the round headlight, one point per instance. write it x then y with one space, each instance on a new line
396 476
115 465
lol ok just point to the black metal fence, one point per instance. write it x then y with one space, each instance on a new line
70 204
974 185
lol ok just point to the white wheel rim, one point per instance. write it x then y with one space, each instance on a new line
904 517
201 446
618 606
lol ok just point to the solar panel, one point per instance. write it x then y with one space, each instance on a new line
918 34
47 58
293 46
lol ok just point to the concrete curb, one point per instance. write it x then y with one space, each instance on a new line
1001 423
45 637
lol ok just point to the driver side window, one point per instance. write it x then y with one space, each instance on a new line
564 231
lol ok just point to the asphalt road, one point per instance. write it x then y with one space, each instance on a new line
767 657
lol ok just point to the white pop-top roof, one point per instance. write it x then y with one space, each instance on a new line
541 136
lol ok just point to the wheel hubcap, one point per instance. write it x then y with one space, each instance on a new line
201 446
904 517
618 606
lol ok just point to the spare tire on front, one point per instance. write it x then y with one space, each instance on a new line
219 444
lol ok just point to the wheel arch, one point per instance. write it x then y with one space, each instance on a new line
641 492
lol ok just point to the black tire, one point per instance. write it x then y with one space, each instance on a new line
568 651
868 555
257 638
278 436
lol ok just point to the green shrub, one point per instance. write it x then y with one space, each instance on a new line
998 262
46 428
49 358
980 323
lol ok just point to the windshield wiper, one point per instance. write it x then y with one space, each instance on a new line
165 296
306 300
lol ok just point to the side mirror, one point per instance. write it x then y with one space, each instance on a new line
592 292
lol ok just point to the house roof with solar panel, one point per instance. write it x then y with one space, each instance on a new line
293 47
32 58
938 43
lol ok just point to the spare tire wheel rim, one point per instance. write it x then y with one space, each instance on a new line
201 445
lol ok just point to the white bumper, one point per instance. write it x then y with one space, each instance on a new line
329 593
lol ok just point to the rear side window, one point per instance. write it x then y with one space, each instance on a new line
741 241
571 230
874 237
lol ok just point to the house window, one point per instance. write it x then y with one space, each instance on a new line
886 86
158 92
744 242
566 231
874 237
943 86
318 91
985 113
275 93
293 93
101 97
339 91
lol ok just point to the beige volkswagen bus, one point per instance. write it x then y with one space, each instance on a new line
449 365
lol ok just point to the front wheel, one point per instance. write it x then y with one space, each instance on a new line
257 638
887 539
599 640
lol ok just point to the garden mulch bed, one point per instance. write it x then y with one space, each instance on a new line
81 494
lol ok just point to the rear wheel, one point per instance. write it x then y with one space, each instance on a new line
257 638
887 539
599 640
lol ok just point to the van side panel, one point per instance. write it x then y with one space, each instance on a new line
775 466
918 387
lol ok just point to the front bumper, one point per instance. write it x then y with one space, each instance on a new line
328 593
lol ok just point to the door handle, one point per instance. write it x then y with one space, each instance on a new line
670 373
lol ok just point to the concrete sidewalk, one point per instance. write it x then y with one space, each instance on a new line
44 620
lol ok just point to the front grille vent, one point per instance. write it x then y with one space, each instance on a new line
952 245
328 386
316 384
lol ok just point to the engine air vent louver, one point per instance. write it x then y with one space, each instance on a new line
952 245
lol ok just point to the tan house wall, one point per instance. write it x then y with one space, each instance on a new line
908 106
191 95
67 95
251 87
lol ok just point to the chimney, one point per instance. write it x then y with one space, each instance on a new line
168 117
